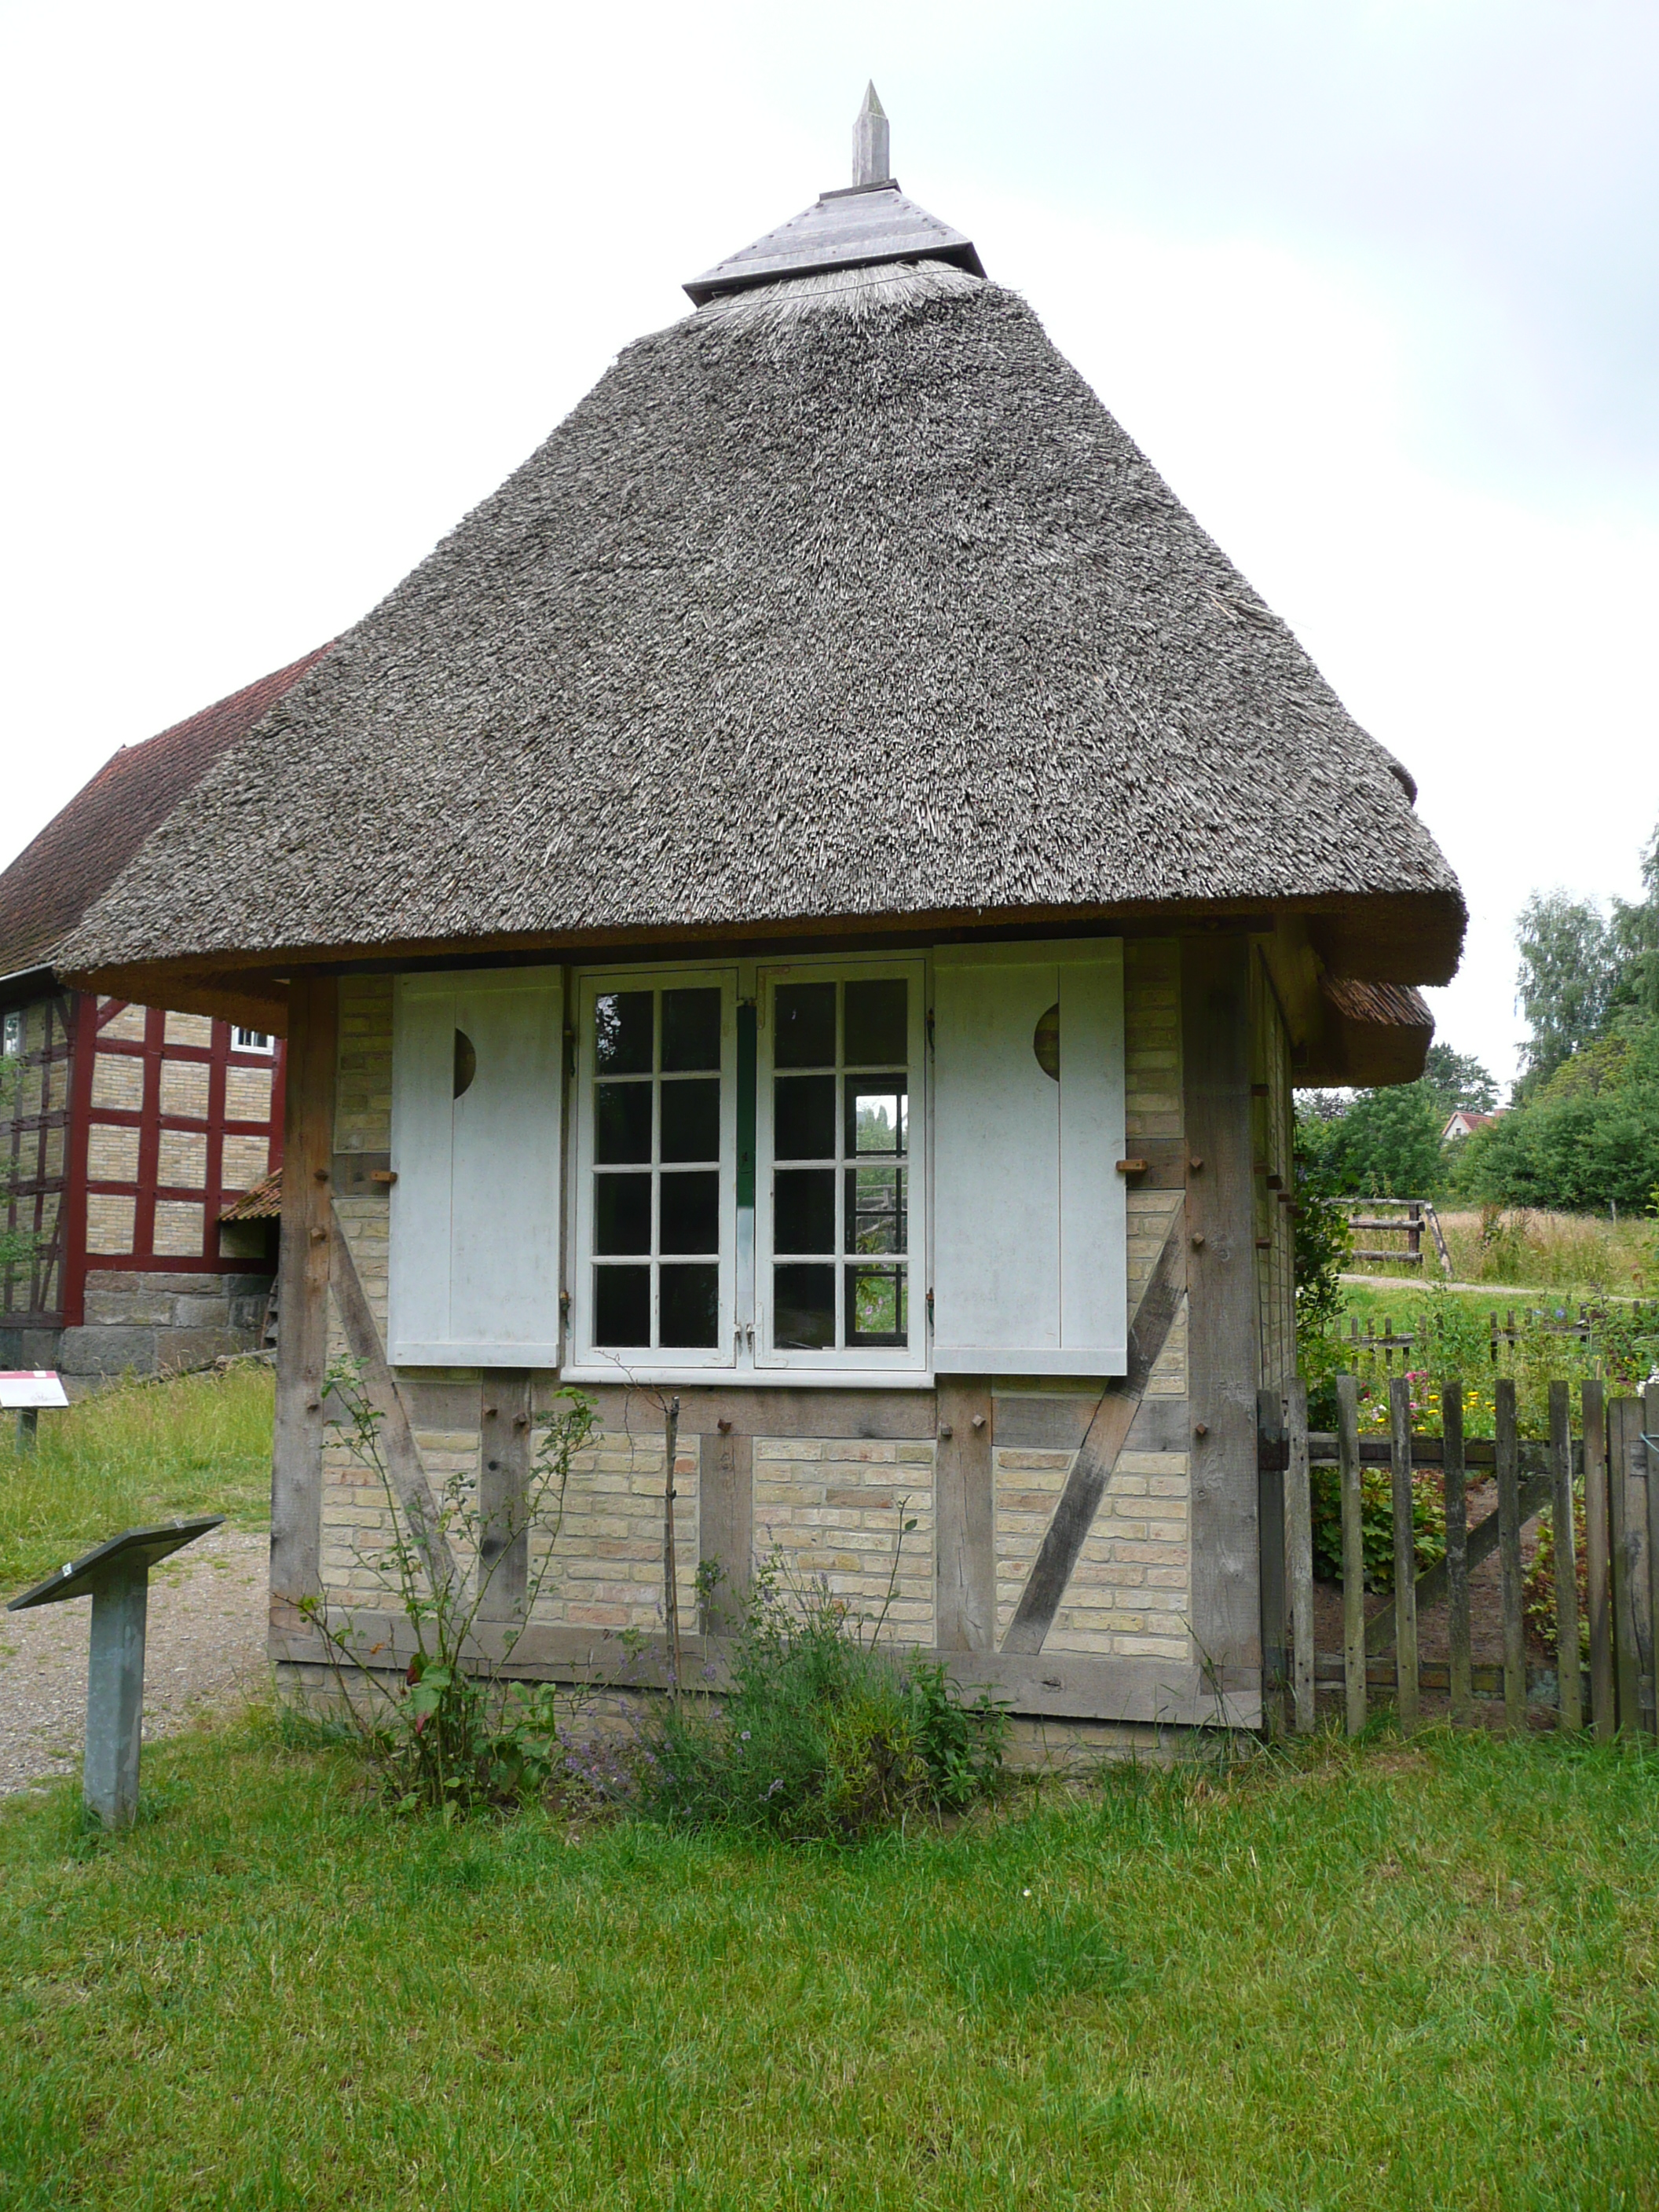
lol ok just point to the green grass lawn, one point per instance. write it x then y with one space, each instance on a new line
1424 1976
140 1451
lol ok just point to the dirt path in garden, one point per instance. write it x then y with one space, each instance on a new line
204 1647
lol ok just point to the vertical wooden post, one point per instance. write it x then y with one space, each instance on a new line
965 1595
725 1525
1224 1337
28 1429
1623 1416
1405 1550
1458 1553
1509 1549
296 1481
115 1692
1597 1560
1298 1538
1270 1518
1353 1552
1571 1691
505 1435
1649 1461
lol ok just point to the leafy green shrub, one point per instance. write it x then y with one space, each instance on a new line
454 1736
823 1736
1376 1523
1538 1589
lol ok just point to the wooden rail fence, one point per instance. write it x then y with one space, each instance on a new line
1410 1218
1611 1463
1383 1346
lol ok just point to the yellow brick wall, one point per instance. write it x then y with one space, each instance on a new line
834 1509
188 1029
183 1088
109 1222
181 1159
179 1227
128 1024
118 1080
112 1153
247 1092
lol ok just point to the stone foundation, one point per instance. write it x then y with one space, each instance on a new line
144 1324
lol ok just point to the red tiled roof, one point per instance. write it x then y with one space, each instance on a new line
80 853
262 1203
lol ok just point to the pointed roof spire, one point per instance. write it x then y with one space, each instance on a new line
871 160
854 227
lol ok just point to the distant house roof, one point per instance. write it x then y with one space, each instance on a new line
1465 1121
82 850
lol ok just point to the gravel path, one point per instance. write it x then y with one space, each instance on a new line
204 1646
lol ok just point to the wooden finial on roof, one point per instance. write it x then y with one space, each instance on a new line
872 162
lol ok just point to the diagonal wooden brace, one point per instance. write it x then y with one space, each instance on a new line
1085 1485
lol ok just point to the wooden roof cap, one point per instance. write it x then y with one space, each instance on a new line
867 221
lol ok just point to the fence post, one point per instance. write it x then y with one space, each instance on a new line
1509 1549
1458 1553
1405 1552
1650 1462
1622 1416
1353 1552
1596 1558
1570 1687
1299 1534
1270 1481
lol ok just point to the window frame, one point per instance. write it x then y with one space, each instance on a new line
265 1050
912 1358
588 1361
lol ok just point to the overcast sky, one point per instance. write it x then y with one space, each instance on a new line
288 289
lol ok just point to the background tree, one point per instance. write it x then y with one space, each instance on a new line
1459 1079
1568 968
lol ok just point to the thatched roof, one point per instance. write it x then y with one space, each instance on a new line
84 848
842 604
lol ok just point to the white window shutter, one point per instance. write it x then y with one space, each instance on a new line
1029 1220
475 1208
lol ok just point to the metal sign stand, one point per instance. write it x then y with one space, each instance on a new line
116 1578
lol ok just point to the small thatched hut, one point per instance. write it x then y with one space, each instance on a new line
816 896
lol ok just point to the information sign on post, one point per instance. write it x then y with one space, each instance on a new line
28 1388
116 1578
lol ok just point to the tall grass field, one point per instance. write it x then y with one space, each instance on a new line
1389 1976
1521 1249
137 1452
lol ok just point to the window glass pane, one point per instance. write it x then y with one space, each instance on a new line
804 1210
877 1025
875 1210
691 1213
690 1030
875 1305
622 1305
622 1213
804 1117
622 1032
805 1015
690 1121
804 1309
622 1123
877 1116
690 1307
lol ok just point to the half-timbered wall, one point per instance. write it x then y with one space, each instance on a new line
1053 1551
35 1153
134 1127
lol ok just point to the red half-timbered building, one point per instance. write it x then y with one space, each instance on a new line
127 1132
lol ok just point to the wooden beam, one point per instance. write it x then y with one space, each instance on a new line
402 1460
505 1453
1223 1337
726 1517
965 1589
890 1416
1061 1687
1108 1431
296 1479
1597 1552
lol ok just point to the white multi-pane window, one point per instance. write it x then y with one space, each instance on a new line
841 1184
243 1040
656 1065
12 1042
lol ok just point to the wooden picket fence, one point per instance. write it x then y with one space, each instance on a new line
1613 1463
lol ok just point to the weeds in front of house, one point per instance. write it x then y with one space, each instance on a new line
824 1736
134 1452
442 1725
